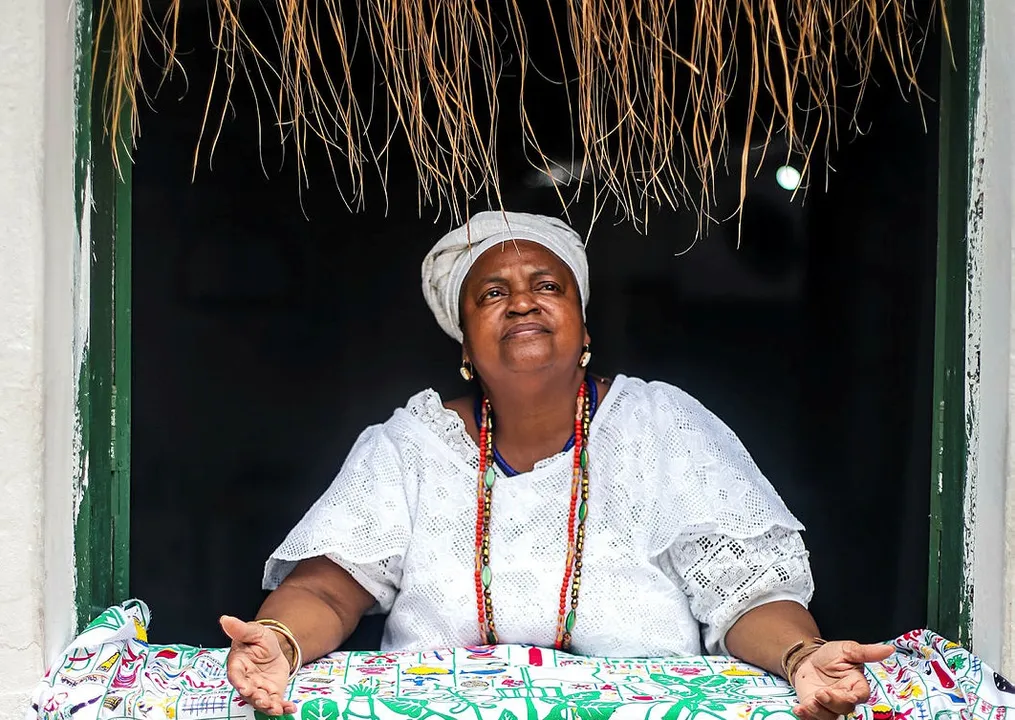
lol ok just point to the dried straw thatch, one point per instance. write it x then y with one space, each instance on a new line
648 83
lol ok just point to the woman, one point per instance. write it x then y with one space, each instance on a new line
651 533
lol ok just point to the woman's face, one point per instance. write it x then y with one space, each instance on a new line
521 312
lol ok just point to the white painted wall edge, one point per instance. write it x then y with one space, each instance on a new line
62 324
990 329
22 365
1000 212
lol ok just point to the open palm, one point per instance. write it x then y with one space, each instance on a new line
831 682
257 667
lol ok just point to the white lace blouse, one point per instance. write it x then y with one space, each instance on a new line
684 533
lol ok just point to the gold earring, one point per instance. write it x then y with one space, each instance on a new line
586 357
466 371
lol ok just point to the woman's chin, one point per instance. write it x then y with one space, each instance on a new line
528 360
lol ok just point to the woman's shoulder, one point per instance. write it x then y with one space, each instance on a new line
422 404
659 399
658 408
424 418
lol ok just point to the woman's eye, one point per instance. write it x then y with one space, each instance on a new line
492 294
551 286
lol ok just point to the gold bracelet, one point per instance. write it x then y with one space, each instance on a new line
795 655
297 662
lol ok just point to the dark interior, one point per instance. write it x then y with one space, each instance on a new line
271 326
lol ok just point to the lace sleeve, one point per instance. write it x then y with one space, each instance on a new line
738 545
725 577
362 522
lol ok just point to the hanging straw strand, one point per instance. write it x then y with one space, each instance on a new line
649 107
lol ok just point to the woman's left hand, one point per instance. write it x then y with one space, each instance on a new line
830 682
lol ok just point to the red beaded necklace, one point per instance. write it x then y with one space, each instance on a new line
567 612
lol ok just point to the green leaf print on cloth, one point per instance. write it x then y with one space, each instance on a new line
319 709
408 708
111 672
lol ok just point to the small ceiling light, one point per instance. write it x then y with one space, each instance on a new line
561 173
558 175
788 178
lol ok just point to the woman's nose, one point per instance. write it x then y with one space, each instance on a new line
522 303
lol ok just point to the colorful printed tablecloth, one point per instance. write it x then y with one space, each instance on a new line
110 671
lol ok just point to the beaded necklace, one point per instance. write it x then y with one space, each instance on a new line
578 511
477 410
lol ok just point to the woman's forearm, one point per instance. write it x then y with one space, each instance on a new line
320 604
763 634
313 623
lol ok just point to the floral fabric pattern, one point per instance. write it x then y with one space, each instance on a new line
110 671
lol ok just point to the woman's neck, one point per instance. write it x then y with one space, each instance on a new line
534 417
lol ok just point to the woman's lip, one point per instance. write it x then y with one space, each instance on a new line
525 329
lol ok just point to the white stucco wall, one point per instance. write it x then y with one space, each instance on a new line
22 110
37 366
65 304
999 229
992 340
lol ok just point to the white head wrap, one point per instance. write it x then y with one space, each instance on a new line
449 261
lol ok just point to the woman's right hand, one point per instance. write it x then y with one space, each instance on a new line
257 667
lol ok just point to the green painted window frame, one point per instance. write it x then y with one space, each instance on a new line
103 198
103 212
949 598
